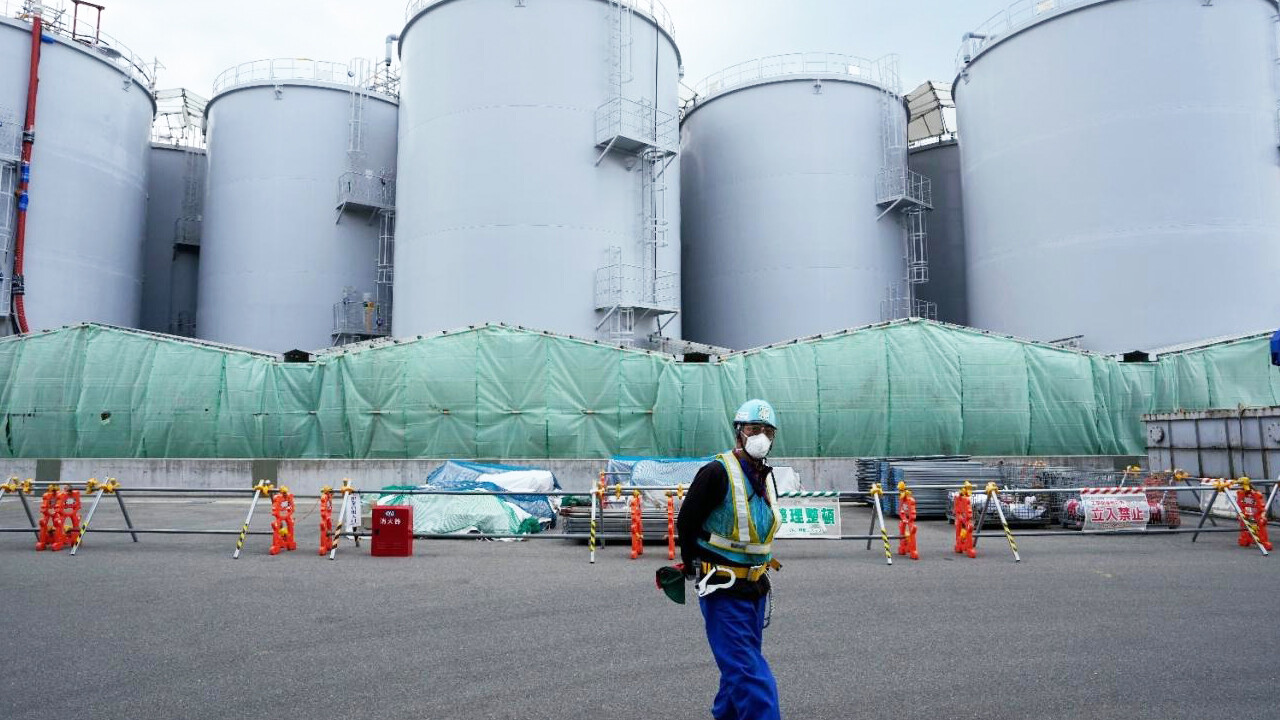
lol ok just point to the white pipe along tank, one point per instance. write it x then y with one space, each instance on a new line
539 177
1120 169
86 213
783 234
300 187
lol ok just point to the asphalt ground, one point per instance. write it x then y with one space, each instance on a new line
172 627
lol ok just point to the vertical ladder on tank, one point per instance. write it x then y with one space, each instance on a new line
621 41
654 212
908 193
386 265
187 231
358 69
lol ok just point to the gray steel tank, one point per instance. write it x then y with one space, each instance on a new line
299 190
1121 184
947 288
88 190
539 178
172 254
783 235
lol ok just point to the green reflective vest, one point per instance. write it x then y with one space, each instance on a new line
743 526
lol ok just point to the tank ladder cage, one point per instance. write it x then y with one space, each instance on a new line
900 304
386 263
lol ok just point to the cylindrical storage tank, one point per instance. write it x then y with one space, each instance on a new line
88 193
301 171
940 162
783 236
174 208
1121 184
539 178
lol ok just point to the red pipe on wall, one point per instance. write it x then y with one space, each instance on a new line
24 178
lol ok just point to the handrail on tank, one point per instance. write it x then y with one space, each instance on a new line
1016 16
295 68
653 8
802 64
86 34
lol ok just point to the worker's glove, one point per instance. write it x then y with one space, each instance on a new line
689 568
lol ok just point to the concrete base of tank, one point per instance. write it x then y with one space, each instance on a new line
306 477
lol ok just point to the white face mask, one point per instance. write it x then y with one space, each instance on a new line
757 446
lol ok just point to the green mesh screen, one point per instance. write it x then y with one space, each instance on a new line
912 387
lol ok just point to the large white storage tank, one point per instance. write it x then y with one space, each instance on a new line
784 232
1119 164
300 188
539 177
88 188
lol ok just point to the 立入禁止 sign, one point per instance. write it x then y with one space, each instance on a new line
1115 509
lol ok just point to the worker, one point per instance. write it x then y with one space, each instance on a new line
726 526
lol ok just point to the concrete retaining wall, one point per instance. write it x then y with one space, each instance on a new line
306 477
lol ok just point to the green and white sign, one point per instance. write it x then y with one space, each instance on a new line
809 517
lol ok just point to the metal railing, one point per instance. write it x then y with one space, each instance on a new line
899 183
656 11
280 69
367 189
358 318
1013 18
622 117
802 64
621 285
86 33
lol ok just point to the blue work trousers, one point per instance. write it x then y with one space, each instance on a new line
735 631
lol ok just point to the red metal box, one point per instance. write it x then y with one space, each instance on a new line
392 531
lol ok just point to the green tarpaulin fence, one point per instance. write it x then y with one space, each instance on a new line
910 387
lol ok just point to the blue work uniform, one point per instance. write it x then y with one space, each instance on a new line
728 519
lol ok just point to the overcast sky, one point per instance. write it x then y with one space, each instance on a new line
197 39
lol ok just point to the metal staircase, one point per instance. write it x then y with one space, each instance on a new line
371 195
907 195
649 138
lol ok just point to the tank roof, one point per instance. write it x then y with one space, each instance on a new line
790 67
1018 16
304 71
83 36
654 10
